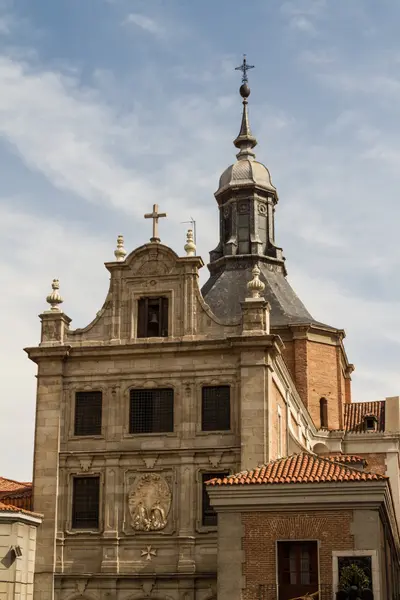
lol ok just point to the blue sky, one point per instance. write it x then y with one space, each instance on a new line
107 106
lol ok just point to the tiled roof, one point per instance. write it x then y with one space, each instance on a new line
299 468
9 485
355 413
347 459
15 509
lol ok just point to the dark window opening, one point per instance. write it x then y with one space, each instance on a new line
370 423
152 317
297 569
88 413
216 408
151 411
85 502
209 516
323 412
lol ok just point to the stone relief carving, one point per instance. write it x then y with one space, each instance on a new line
150 461
215 459
262 209
85 464
149 503
153 267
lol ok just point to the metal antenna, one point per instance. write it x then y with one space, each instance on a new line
193 224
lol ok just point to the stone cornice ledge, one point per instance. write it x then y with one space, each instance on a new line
256 497
39 353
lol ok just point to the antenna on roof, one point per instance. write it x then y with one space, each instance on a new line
193 224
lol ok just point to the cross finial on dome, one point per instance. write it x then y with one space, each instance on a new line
245 140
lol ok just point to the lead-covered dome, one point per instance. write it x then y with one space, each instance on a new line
245 172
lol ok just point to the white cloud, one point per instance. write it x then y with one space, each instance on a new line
145 23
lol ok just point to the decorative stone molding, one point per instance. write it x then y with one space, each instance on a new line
215 459
86 463
149 502
81 586
150 461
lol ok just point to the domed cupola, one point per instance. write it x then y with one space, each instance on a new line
246 171
246 199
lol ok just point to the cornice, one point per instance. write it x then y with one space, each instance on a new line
288 497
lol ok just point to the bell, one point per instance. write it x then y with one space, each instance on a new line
154 319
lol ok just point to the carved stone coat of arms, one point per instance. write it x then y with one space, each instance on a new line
149 503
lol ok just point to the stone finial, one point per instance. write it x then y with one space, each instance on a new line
190 246
120 252
54 299
255 285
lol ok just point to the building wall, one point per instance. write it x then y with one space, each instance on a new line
317 370
16 574
107 356
263 529
278 412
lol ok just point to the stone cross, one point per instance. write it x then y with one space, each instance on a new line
155 215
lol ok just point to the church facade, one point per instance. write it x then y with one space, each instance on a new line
171 386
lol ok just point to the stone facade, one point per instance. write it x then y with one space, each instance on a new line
108 356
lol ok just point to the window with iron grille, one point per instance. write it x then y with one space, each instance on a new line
151 411
216 408
88 413
152 317
85 502
209 517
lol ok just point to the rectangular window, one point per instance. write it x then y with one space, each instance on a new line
209 516
85 502
151 411
152 317
297 569
216 408
88 413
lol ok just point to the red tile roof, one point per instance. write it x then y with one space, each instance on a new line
10 485
15 509
348 459
299 468
355 413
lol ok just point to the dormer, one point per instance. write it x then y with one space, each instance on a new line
370 422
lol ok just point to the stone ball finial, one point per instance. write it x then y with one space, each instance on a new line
190 246
255 285
120 252
54 299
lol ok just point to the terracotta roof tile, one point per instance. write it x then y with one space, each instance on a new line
15 509
10 485
355 413
348 459
299 468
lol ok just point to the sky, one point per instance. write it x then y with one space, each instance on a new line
109 106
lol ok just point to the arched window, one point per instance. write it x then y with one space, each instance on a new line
323 412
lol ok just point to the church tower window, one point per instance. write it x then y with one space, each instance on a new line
216 408
85 502
152 317
151 411
88 413
209 516
323 412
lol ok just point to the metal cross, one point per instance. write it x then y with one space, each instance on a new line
155 215
148 553
244 67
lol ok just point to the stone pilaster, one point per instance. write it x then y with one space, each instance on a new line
110 561
186 561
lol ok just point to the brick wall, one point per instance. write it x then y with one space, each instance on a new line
262 530
316 369
376 462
